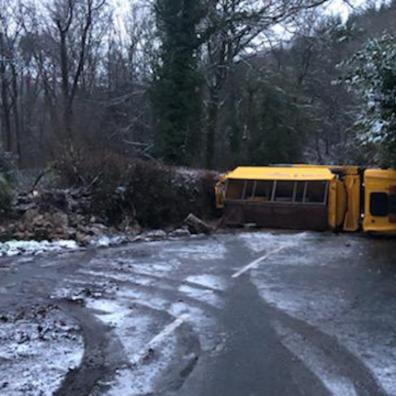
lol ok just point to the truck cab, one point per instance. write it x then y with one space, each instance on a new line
380 201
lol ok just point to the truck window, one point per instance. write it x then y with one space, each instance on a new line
235 189
300 188
284 191
263 190
316 192
249 188
379 205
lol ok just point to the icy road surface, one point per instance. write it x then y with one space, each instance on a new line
250 314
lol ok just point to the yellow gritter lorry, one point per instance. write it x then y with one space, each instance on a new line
310 197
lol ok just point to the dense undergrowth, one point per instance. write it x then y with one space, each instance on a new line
149 193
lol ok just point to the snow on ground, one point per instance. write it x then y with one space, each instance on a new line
263 241
328 307
203 324
140 380
108 241
206 296
148 296
316 360
135 326
209 281
39 341
15 248
206 250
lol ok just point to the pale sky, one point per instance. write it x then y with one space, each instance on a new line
341 7
335 6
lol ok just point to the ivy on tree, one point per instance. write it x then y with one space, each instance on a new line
175 91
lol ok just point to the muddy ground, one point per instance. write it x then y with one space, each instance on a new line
250 314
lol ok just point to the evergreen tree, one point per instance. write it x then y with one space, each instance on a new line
176 87
373 76
279 133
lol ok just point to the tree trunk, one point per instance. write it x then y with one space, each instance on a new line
17 140
6 115
64 64
213 113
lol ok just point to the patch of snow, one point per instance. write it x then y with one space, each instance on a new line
316 360
203 324
206 296
159 267
210 250
134 326
210 281
15 248
141 379
109 311
108 240
35 345
332 311
144 299
261 241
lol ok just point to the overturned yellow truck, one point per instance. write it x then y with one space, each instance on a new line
309 197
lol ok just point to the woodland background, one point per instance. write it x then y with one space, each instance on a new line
200 83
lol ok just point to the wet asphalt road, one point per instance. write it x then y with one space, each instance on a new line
317 316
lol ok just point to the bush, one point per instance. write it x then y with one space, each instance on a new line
7 165
5 196
153 194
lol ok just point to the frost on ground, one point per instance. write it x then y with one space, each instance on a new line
263 241
208 281
108 241
206 250
36 341
333 308
15 248
135 326
316 360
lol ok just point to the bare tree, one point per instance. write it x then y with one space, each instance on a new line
10 30
73 21
233 27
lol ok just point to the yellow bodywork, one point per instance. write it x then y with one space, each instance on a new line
378 181
286 173
294 173
344 205
337 204
352 214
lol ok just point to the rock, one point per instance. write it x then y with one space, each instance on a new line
75 219
98 229
139 238
196 225
180 233
30 215
83 239
59 220
156 235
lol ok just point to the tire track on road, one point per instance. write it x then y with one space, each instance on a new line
103 354
348 364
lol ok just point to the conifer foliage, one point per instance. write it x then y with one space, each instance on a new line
176 87
373 76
